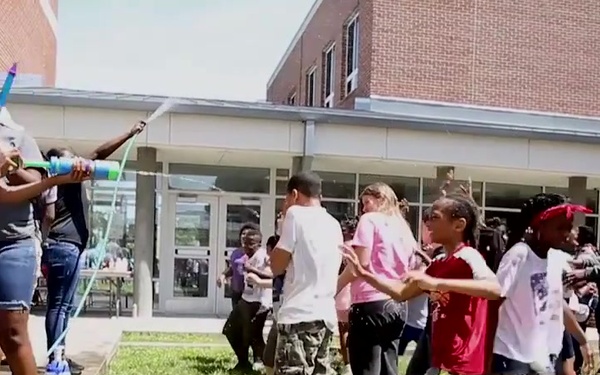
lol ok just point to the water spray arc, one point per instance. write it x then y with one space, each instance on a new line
164 107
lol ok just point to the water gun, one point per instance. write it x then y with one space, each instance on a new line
101 169
58 365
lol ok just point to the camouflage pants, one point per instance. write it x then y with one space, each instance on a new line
303 349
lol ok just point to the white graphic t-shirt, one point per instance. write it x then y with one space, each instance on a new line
530 321
253 293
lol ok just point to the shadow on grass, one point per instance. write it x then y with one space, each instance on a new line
210 364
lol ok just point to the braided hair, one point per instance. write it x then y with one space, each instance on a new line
464 207
529 210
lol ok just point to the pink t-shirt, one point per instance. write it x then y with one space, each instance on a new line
391 248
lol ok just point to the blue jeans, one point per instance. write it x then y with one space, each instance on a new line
18 264
61 259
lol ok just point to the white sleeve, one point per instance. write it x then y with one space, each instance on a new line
478 266
287 240
512 261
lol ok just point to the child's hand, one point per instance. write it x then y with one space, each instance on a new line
424 281
352 261
10 159
252 279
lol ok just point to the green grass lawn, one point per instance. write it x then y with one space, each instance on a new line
171 361
184 338
172 338
131 360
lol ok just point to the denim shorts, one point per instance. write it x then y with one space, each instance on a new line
18 262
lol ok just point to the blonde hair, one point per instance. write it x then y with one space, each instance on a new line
389 204
388 201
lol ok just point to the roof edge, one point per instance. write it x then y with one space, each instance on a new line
295 40
435 103
408 116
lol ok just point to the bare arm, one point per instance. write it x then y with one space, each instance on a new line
48 219
396 289
345 278
263 274
264 283
109 147
228 272
488 288
484 283
21 193
572 326
25 176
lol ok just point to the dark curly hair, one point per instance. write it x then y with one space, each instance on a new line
529 210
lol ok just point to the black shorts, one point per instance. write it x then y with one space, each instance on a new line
568 350
374 336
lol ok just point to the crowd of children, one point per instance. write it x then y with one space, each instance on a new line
476 298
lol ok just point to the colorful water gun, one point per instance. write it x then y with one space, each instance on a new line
101 169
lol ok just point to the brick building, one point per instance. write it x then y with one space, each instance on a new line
538 56
26 38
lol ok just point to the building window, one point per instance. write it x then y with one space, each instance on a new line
352 47
291 100
329 76
311 86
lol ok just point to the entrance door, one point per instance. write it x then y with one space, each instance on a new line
201 231
192 238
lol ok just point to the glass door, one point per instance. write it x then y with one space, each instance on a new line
193 240
234 212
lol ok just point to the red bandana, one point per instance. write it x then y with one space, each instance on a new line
566 209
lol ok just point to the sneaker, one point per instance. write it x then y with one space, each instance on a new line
258 366
75 367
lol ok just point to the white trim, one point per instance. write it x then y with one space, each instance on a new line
328 102
295 40
352 78
312 72
293 97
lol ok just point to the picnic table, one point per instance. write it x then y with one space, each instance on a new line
115 278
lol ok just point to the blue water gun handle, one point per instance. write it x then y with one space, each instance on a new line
101 169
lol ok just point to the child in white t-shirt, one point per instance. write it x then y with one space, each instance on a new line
530 319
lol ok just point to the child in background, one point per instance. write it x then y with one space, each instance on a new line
459 286
277 284
344 298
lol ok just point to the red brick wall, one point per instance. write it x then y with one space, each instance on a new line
326 26
26 38
542 56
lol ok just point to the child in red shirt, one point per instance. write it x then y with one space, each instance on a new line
459 286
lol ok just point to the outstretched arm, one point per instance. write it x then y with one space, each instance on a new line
398 290
106 149
21 193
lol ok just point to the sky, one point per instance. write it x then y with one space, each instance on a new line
212 49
